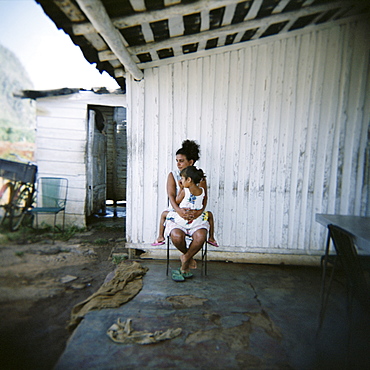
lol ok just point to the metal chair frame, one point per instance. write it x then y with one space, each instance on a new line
203 254
351 262
54 203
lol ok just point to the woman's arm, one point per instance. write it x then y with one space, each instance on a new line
171 192
203 184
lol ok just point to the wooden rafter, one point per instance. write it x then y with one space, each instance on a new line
231 29
192 27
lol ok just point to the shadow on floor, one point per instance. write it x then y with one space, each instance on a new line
239 316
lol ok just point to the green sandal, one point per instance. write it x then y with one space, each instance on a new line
187 275
177 276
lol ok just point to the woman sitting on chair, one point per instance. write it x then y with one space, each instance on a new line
186 156
190 198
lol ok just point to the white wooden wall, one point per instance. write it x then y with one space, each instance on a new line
61 141
282 124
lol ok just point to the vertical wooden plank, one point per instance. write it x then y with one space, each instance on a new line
178 133
236 70
362 201
242 190
199 99
254 229
330 104
206 117
206 135
276 111
193 96
181 129
258 145
316 163
135 160
339 61
223 158
296 128
265 156
270 185
130 168
359 65
165 136
322 166
249 116
150 152
288 120
228 199
305 70
218 144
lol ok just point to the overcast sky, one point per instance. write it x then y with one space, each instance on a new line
48 54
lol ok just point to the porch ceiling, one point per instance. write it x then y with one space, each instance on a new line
129 35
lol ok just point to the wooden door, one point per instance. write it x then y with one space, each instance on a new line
96 164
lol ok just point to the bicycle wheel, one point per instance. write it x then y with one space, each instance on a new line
6 194
19 208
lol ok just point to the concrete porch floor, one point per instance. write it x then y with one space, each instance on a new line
239 316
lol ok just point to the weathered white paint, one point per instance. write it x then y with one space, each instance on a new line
61 144
282 126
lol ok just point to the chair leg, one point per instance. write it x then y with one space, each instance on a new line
64 218
204 258
168 255
55 222
324 263
325 296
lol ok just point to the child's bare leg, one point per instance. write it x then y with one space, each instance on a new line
199 237
160 237
211 221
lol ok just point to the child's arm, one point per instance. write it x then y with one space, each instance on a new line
180 196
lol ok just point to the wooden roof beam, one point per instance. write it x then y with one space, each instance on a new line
158 15
235 28
97 15
138 5
254 9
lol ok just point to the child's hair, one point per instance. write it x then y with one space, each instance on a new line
196 174
190 149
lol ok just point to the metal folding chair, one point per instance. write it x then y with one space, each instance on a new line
358 287
51 198
352 264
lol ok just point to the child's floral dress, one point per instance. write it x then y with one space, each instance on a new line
173 220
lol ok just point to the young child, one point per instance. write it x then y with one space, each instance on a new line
191 197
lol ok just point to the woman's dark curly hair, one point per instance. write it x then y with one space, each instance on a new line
190 149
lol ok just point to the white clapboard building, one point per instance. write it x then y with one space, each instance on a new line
81 136
275 92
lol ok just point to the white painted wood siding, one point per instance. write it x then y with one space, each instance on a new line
282 124
61 141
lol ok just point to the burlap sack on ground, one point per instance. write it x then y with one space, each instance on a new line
122 332
126 283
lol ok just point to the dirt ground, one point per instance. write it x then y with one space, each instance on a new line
39 285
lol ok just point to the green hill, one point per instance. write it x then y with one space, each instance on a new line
17 116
